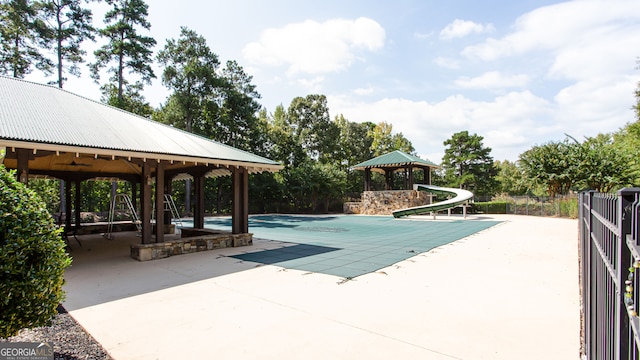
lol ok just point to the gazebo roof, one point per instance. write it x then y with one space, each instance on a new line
393 160
50 120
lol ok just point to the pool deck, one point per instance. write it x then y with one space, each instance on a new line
508 292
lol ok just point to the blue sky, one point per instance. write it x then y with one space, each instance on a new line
518 73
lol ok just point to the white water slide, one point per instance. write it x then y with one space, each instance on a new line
460 197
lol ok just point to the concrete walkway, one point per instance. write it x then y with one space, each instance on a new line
509 292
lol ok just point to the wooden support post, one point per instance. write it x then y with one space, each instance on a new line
67 210
77 202
240 206
160 203
198 214
23 166
367 179
426 178
388 179
145 206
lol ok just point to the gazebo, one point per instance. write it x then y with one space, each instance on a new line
47 131
392 162
390 199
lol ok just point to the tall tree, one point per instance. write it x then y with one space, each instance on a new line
190 73
284 145
237 121
355 142
68 24
22 33
312 126
126 49
385 141
468 164
510 178
552 165
602 166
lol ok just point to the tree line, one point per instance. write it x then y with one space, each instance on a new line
220 102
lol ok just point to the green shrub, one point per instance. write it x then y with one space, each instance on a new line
32 259
490 207
569 208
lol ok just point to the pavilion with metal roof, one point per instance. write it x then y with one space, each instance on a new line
392 162
51 132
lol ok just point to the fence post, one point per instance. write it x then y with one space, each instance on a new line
585 243
626 198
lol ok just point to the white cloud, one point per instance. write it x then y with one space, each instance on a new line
510 124
507 123
313 84
422 36
461 28
447 63
581 39
492 80
598 105
364 91
312 47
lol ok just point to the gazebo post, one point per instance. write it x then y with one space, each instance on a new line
388 179
410 178
426 177
145 206
198 213
160 202
77 202
67 210
23 166
240 204
367 179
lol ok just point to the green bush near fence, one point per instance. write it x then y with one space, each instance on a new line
490 207
565 207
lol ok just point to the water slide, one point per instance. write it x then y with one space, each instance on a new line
461 196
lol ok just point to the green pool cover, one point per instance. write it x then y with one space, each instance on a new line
347 245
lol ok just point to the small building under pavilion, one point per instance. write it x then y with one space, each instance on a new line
395 195
47 131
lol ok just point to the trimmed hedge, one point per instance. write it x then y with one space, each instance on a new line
32 259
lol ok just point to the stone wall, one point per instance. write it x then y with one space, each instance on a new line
186 245
386 202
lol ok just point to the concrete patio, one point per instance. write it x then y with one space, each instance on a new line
508 292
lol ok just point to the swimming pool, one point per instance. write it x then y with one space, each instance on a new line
347 245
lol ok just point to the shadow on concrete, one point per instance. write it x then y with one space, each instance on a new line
103 271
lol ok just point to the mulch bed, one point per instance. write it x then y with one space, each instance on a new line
70 340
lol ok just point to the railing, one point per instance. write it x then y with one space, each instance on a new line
610 274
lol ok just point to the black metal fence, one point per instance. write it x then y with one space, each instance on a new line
610 278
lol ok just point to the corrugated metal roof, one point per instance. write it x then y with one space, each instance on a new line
45 114
392 159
